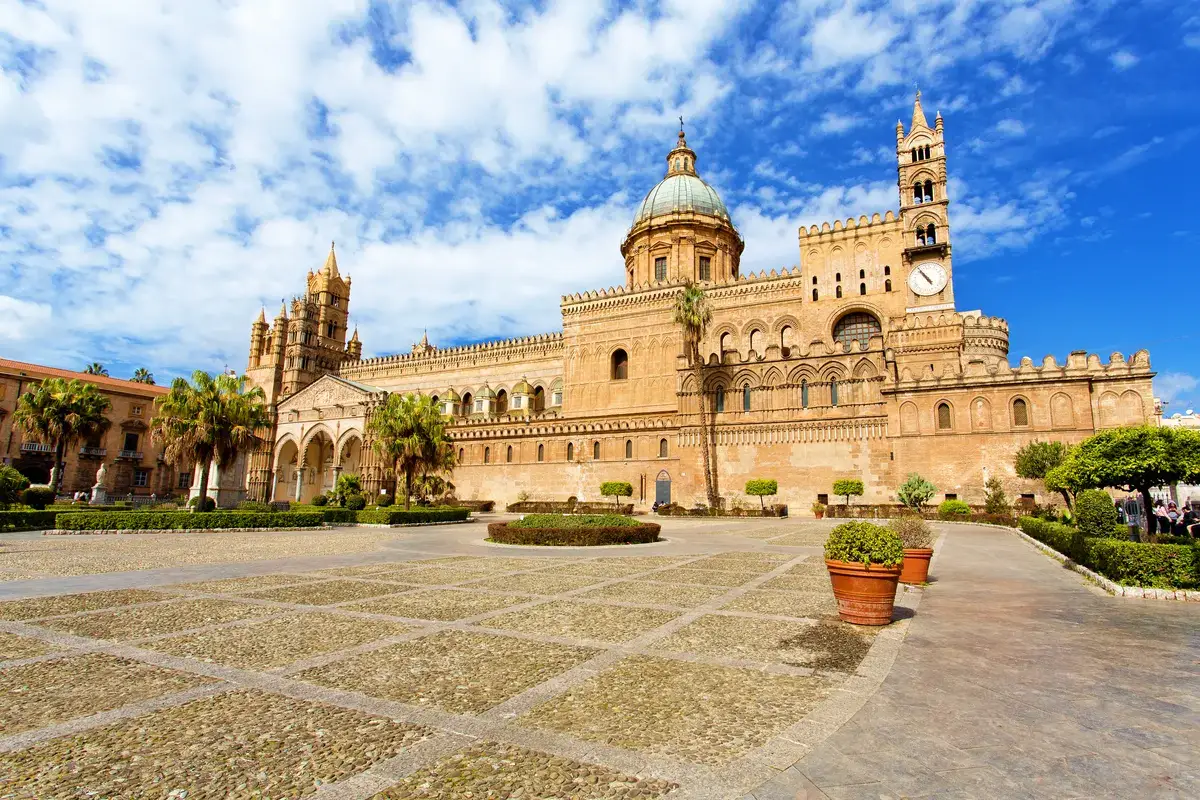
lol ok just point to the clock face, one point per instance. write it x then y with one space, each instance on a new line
927 279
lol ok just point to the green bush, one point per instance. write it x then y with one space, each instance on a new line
320 500
574 521
864 543
915 491
848 487
995 501
953 509
256 506
413 516
27 520
1095 513
12 484
338 516
577 536
913 531
1156 566
38 497
384 500
616 489
356 502
194 503
182 520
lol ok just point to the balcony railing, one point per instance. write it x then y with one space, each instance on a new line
93 451
135 455
36 447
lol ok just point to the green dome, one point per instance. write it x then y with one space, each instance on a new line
681 193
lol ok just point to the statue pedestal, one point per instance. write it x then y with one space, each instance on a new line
99 496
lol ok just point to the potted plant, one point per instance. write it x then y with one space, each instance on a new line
818 509
864 561
917 537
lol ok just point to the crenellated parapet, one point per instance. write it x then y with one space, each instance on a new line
613 297
432 359
1079 365
851 228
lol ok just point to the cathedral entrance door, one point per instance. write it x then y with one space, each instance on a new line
662 488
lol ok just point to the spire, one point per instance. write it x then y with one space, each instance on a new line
682 159
918 118
330 267
354 338
282 310
262 316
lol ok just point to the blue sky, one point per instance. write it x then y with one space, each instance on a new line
165 169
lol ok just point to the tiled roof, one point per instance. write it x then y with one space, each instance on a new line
38 372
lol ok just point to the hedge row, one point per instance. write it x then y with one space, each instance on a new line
27 520
569 507
398 516
184 520
574 521
1155 566
505 533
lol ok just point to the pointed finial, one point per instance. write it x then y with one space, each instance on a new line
262 315
354 338
918 118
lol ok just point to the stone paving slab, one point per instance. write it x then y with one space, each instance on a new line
590 621
323 593
136 622
248 584
37 607
785 604
655 593
13 647
536 583
703 577
438 604
823 646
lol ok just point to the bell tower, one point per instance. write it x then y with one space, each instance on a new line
924 212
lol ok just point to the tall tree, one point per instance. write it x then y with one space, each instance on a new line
1037 459
208 419
409 433
693 314
60 413
96 368
143 375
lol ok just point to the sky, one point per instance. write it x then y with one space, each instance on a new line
166 169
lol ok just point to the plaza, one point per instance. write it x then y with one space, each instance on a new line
426 662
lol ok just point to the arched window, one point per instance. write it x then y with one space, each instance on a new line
814 280
917 192
487 455
838 277
501 402
541 452
914 154
931 235
839 291
785 340
745 397
862 273
726 344
814 295
887 285
508 455
462 456
629 448
466 404
928 191
1020 413
862 288
719 400
920 234
944 421
662 448
620 365
660 268
595 451
570 451
927 152
833 389
858 326
539 399
756 343
804 393
887 270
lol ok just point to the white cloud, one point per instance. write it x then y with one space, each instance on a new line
21 320
1172 385
833 122
1123 60
1010 127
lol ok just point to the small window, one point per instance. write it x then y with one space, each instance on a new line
185 480
620 365
570 451
719 400
887 270
804 393
595 451
335 300
517 401
462 456
814 280
541 452
1020 412
838 277
330 330
662 448
660 268
951 496
814 295
833 391
137 411
944 421
131 442
862 288
823 499
556 397
705 268
508 455
839 291
487 455
746 397
628 448
862 273
887 285
141 477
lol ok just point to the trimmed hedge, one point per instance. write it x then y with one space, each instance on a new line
638 533
552 507
27 520
1155 566
398 516
574 521
477 505
183 520
339 516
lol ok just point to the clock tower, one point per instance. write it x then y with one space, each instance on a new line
924 217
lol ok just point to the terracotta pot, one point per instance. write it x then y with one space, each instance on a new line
915 568
819 514
865 595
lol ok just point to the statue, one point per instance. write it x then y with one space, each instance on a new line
99 490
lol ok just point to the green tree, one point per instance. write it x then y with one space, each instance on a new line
60 413
847 487
409 433
616 490
1134 459
12 484
915 491
1095 513
1037 459
143 375
346 484
693 314
96 368
762 487
209 419
995 501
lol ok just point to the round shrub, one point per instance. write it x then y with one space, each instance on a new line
864 543
255 506
356 502
38 497
575 521
12 485
1095 513
194 504
384 500
914 532
953 509
320 500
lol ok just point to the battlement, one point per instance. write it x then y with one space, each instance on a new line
659 290
518 346
912 322
839 230
1079 364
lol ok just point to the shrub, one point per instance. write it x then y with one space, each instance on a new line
1095 513
915 491
338 516
356 502
574 521
12 484
255 506
1157 566
864 543
817 507
27 520
913 531
953 509
615 489
384 500
194 503
847 487
38 497
181 520
995 501
577 536
412 516
762 487
320 500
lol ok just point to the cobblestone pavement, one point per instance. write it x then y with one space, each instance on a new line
426 663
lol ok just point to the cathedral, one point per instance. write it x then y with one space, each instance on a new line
856 363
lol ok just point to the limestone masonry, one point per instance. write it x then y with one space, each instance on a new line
857 363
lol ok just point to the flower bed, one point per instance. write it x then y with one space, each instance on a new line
1156 566
185 520
589 530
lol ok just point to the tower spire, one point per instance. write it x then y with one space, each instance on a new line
918 117
331 263
682 159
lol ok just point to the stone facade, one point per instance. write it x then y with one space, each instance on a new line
856 363
134 461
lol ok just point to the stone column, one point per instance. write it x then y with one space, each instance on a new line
299 482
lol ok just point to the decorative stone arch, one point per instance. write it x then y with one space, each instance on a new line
866 368
981 414
786 321
746 376
717 333
1062 411
615 353
910 420
1014 411
802 372
943 411
346 435
772 378
1130 407
833 372
313 432
283 441
842 313
1109 413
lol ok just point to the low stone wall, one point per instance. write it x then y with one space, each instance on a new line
673 510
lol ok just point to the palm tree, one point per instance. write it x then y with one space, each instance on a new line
96 368
143 375
693 314
208 419
409 433
62 412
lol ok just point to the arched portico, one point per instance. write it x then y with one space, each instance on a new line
315 472
286 464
